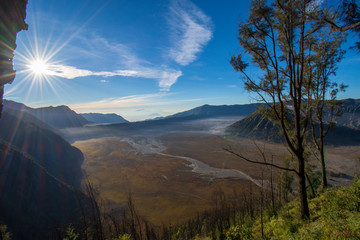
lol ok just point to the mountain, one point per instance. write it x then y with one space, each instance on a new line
191 120
211 111
103 118
57 117
49 149
255 126
349 113
346 132
40 176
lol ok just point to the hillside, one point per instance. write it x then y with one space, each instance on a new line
103 118
57 117
34 203
40 177
346 132
48 149
335 214
255 126
349 113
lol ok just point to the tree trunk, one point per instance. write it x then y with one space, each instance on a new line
305 213
1 99
324 183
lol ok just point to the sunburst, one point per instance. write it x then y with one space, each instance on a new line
39 67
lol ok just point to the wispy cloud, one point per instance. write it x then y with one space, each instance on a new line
166 77
156 99
138 107
105 50
191 31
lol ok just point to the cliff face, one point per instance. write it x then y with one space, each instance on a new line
35 204
47 148
12 21
40 174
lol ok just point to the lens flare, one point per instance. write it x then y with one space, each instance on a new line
39 67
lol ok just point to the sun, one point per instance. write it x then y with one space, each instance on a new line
39 67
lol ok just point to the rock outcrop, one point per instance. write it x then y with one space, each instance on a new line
12 21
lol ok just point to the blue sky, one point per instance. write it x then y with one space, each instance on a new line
140 59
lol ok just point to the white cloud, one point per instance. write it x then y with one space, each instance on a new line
116 103
109 51
104 81
132 101
191 31
166 77
139 107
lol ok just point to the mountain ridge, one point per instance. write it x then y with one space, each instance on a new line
58 117
209 111
101 118
346 131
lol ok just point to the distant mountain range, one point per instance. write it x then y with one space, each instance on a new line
346 132
211 111
100 118
78 126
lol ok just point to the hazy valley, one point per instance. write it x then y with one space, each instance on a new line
174 168
110 129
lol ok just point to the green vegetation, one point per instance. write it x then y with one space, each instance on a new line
71 234
335 215
4 234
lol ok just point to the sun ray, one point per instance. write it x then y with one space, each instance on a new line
38 59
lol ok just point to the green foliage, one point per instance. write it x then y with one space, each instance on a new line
4 234
239 232
285 180
123 237
335 215
71 234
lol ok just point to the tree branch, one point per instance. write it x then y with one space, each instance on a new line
343 28
261 163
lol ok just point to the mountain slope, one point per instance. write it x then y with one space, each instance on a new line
57 117
47 148
257 126
350 113
34 203
103 118
210 111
